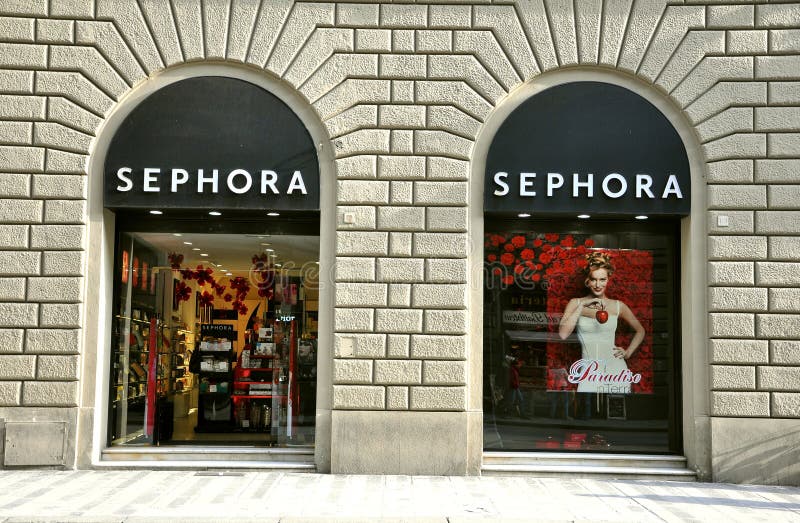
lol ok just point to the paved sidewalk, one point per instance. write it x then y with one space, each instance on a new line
152 496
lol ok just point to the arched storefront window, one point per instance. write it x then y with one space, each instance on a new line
585 184
214 184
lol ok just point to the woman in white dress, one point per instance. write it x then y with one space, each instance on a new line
602 367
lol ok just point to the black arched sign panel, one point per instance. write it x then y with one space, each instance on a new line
587 147
212 143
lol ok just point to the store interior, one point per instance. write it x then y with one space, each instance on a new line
214 339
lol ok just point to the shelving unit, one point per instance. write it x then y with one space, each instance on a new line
214 408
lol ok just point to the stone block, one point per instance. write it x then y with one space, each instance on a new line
17 158
398 320
445 271
60 315
59 186
737 299
16 132
62 263
359 345
403 15
362 191
784 352
730 171
13 236
777 274
351 120
440 245
357 15
19 263
782 92
739 222
737 247
737 197
444 373
23 56
739 351
373 40
784 248
432 347
401 269
405 116
52 341
17 107
777 222
55 289
439 296
779 378
400 243
731 273
16 82
777 119
351 92
399 295
746 42
514 31
359 397
398 372
724 16
403 91
784 300
400 167
353 320
438 398
442 142
402 142
363 141
352 371
19 314
57 368
450 119
355 269
17 367
401 218
453 92
403 41
786 405
450 16
12 289
739 145
360 294
778 326
397 345
55 31
784 196
777 67
733 377
21 211
446 219
402 66
353 243
74 86
740 404
446 321
401 193
66 163
14 185
396 398
756 451
783 145
778 15
363 166
447 169
434 41
50 393
359 217
731 325
10 393
39 443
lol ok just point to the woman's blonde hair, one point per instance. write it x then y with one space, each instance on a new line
598 260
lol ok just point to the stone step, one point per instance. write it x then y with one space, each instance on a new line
189 457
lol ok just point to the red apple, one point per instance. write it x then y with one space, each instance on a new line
601 316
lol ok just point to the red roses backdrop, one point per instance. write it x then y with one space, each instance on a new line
554 263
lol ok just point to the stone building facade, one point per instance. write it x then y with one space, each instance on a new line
402 99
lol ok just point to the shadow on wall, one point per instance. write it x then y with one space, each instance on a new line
756 451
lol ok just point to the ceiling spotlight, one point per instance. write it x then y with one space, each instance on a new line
641 217
203 254
273 255
228 274
277 265
270 250
177 234
156 212
195 248
584 216
214 213
273 214
187 243
524 215
266 244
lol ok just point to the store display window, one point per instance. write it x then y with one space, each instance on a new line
581 343
214 336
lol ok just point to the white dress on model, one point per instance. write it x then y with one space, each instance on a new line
597 343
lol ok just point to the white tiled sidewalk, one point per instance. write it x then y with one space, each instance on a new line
174 496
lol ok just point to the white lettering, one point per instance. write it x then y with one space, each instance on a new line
672 187
554 181
577 184
499 180
525 183
643 183
213 180
248 181
623 185
268 179
296 183
150 179
184 177
128 184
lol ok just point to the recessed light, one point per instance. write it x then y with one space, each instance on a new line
641 217
214 213
273 255
177 234
584 216
195 248
273 214
203 254
228 274
277 265
156 212
187 243
266 244
524 215
270 250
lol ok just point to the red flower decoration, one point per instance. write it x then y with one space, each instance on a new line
526 254
182 292
206 299
492 257
518 241
507 259
227 298
175 260
203 276
508 280
509 247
